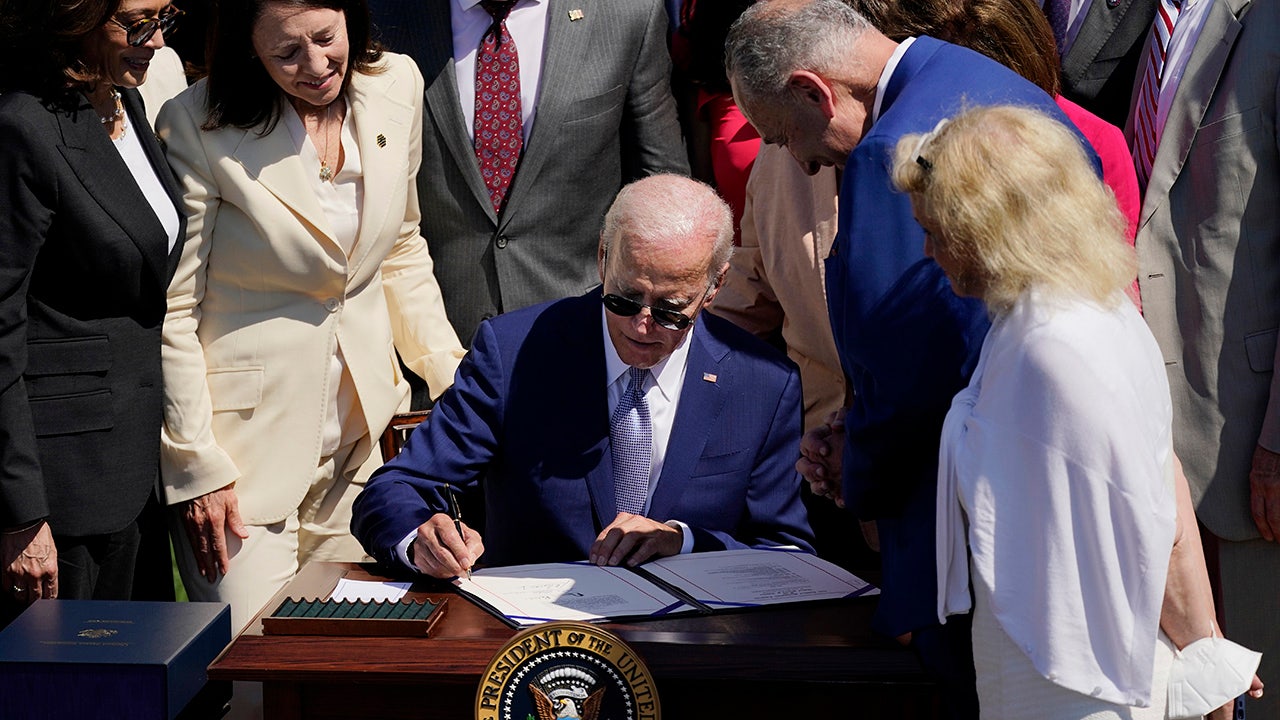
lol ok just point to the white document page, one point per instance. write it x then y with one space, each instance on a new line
747 578
353 590
530 594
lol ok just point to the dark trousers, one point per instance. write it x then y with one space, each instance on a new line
98 567
947 652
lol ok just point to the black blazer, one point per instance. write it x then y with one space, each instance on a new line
84 265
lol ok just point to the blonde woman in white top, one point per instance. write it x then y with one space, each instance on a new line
1057 501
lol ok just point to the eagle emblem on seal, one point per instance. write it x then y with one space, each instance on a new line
566 693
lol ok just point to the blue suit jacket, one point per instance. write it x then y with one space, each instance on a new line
907 342
527 418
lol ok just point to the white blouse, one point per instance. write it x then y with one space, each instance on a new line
1059 457
341 199
135 158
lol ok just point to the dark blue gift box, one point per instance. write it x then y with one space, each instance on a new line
108 659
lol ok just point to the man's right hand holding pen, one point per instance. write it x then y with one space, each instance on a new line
445 548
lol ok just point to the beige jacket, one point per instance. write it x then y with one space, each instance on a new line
776 279
264 297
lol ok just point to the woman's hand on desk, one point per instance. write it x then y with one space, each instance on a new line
208 518
438 550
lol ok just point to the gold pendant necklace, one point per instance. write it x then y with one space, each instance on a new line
326 173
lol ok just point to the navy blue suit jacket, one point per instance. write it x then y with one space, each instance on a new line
907 342
527 418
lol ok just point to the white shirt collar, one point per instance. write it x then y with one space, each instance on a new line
465 5
667 375
887 74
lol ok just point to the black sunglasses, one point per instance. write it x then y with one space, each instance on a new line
140 32
669 319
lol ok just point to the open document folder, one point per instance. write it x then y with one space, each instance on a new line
695 583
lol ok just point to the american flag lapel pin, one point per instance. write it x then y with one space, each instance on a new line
575 15
709 377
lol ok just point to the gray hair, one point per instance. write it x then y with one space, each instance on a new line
772 39
671 208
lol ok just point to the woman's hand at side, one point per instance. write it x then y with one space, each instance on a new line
208 519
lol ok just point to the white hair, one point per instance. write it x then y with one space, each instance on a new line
770 40
671 208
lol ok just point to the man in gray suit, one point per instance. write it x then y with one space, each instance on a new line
1209 267
597 113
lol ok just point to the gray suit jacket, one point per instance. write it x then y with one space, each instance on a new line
605 116
1209 257
1099 68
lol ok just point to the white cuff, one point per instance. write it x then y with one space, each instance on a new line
402 550
686 536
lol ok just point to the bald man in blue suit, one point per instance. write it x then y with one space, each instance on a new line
528 417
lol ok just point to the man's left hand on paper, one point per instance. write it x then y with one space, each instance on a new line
634 539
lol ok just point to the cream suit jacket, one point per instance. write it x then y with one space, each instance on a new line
264 296
776 279
1209 257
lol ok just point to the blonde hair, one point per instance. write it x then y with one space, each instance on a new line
1017 204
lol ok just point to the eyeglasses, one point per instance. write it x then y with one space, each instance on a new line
669 319
140 32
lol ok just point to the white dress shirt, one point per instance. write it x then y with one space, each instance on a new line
1185 34
527 23
887 74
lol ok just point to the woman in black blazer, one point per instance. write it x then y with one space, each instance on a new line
89 237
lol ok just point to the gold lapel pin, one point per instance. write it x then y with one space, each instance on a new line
382 140
575 15
709 377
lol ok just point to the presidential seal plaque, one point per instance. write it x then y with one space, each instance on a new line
566 670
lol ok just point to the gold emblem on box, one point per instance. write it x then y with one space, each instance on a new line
566 670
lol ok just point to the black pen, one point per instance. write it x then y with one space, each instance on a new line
457 518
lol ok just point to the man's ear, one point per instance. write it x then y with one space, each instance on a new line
812 90
600 257
719 283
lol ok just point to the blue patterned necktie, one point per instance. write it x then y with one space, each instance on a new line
1058 12
631 433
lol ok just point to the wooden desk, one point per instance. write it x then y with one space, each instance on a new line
800 661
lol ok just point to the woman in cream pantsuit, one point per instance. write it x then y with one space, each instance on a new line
303 273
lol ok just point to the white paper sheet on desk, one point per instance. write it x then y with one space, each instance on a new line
747 578
353 590
530 594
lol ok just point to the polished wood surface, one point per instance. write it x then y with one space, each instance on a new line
776 662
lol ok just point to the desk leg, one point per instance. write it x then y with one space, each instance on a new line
281 701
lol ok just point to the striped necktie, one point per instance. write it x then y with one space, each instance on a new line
1146 131
631 434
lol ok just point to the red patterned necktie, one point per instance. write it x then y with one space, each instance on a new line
1146 134
498 124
